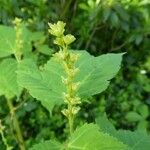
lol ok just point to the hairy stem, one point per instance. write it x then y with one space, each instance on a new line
16 125
71 119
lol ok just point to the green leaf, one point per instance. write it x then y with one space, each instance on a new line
143 110
133 116
106 13
8 78
143 125
88 137
105 125
114 19
47 145
46 84
135 140
96 72
138 39
122 13
44 49
7 38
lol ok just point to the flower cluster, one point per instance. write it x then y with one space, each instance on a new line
68 60
58 29
19 43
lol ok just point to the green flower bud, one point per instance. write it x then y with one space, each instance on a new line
68 39
75 86
65 112
17 21
57 29
64 80
75 110
59 56
71 72
77 100
59 41
74 57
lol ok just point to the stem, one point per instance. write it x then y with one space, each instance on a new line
3 137
16 125
71 86
70 119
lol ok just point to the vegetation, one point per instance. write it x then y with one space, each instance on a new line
53 96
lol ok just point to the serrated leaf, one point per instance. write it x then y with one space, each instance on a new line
135 140
88 137
96 72
8 78
46 85
105 125
7 36
47 145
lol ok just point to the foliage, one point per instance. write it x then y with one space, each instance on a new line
90 133
135 140
46 85
100 26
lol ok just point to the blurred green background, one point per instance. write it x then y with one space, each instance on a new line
100 26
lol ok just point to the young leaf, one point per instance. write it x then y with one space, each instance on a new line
46 84
88 137
8 78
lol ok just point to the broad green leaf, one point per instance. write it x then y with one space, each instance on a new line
46 84
88 137
95 72
135 140
8 78
47 145
7 36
